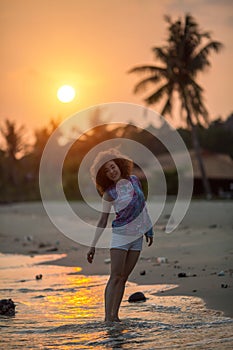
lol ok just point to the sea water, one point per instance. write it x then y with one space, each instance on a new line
64 310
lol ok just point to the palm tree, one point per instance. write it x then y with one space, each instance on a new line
185 54
15 145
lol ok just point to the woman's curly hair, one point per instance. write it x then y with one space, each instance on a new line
98 175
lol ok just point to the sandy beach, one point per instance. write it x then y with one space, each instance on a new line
201 249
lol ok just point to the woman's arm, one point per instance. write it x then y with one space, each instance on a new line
102 223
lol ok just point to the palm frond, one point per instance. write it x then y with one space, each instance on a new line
185 53
195 100
190 22
148 69
167 18
161 53
140 87
156 96
194 84
201 61
167 107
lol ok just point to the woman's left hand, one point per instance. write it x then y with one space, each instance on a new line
90 255
149 240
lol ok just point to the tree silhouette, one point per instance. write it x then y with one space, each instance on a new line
185 54
14 146
14 139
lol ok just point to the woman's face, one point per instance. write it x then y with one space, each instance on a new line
112 171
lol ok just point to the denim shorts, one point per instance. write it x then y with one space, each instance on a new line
134 245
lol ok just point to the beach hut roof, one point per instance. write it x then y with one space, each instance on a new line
217 166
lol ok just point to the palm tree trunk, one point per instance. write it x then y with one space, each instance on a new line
196 146
197 150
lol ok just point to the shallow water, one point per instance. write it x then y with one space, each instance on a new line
64 310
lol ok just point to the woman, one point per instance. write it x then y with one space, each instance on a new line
111 173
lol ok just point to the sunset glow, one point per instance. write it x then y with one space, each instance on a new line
71 43
66 93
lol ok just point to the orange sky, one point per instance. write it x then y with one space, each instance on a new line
90 44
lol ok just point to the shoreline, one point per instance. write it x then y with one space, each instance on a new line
202 249
205 285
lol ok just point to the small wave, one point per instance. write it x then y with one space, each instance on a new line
73 289
211 343
66 328
6 290
88 327
210 324
133 325
163 308
28 290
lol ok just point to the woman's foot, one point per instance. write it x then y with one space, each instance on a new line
116 319
112 319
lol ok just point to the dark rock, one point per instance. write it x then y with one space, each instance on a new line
42 245
176 266
39 277
135 297
7 307
142 273
182 274
213 226
221 273
224 285
54 249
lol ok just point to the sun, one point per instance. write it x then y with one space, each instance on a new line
66 93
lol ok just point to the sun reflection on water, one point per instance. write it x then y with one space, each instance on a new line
65 310
81 303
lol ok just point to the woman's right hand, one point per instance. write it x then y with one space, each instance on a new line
90 255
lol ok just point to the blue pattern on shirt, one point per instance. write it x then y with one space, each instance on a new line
130 206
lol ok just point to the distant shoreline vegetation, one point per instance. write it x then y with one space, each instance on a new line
19 177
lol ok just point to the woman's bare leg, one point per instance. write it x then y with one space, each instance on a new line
118 258
130 262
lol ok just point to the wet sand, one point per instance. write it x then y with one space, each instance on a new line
201 248
65 310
